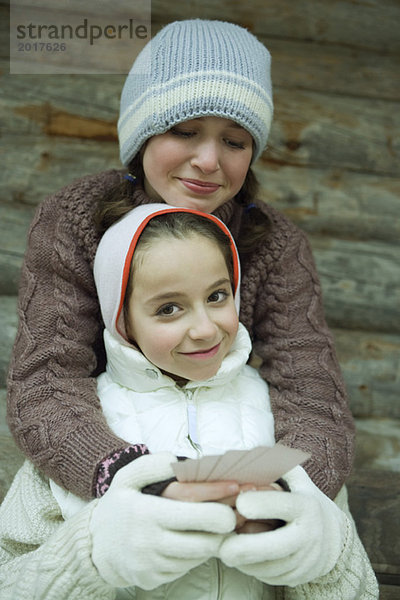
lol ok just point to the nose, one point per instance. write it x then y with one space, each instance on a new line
206 156
202 326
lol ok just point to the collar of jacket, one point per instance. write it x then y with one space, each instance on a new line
128 367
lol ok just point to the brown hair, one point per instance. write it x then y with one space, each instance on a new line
181 226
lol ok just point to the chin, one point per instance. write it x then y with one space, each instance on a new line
204 376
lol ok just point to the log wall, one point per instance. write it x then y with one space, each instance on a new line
332 165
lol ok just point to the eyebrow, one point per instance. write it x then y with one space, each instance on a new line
172 295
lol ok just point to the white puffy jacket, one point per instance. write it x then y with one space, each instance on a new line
142 405
237 415
229 411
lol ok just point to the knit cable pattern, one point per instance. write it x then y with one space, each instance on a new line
282 307
53 410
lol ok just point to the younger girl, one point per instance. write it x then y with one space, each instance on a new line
176 380
166 280
195 113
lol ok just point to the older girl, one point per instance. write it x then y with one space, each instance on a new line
195 114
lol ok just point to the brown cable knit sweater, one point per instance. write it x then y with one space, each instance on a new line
53 411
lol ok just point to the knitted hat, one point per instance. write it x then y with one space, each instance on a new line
192 69
114 258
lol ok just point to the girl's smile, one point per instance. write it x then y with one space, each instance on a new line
198 164
203 354
200 187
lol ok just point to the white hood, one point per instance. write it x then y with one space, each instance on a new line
114 257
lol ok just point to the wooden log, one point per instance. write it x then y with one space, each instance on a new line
377 454
14 225
326 201
295 64
330 69
309 130
372 25
10 461
4 430
334 202
329 202
369 25
47 164
8 324
10 266
319 200
42 99
360 282
4 32
374 503
317 130
370 362
11 458
389 592
377 444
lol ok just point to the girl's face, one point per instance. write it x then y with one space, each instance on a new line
182 313
197 164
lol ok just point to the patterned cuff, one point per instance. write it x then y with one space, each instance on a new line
112 463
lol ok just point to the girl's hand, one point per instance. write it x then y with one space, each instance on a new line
203 491
259 525
225 492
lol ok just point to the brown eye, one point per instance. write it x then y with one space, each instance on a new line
167 310
218 296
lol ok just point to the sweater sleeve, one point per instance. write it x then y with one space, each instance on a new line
291 338
41 556
53 410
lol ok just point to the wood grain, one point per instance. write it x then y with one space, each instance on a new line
332 166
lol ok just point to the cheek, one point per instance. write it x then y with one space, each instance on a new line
234 325
231 322
161 157
160 342
238 169
241 176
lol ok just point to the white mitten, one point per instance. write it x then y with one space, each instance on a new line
306 547
143 540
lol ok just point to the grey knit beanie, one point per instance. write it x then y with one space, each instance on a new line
192 69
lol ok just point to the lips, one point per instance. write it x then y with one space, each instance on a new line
200 187
203 354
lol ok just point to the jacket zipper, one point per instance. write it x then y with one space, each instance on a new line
191 410
194 441
219 577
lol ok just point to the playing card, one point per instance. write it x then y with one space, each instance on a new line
261 466
226 462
